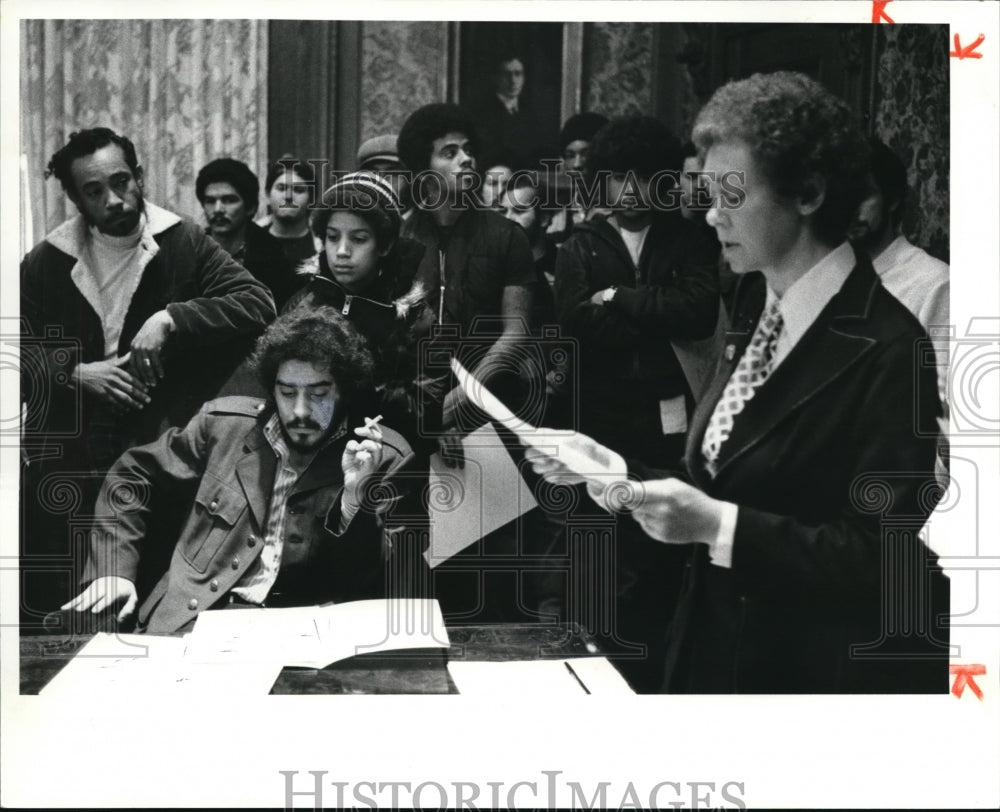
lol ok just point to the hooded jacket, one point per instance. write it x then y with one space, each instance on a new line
394 316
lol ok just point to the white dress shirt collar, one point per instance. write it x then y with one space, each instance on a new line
809 294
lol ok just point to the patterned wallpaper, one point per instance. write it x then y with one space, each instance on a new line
618 68
912 117
404 65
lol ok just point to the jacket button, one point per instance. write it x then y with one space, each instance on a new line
193 604
251 541
236 563
214 586
214 505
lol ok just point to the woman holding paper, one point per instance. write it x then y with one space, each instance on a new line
810 460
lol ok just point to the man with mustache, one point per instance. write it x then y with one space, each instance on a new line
228 191
130 318
286 496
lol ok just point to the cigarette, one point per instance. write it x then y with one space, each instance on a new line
371 422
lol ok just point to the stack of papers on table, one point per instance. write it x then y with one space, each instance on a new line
316 636
131 664
242 651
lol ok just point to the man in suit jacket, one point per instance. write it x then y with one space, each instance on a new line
284 509
504 123
810 461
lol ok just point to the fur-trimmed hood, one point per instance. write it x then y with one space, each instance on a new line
397 286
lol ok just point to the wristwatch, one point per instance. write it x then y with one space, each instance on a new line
609 294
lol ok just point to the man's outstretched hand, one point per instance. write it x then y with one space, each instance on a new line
103 593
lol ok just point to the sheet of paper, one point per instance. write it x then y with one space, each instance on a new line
367 627
315 636
462 510
147 665
585 457
284 636
113 662
567 678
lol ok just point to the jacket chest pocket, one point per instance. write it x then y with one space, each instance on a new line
218 507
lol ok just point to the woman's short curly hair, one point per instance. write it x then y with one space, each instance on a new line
797 130
318 335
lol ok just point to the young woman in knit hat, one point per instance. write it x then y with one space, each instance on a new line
367 272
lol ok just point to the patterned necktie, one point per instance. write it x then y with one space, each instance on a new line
752 370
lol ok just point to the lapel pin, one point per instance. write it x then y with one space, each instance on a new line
730 352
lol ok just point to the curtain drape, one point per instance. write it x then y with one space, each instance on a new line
184 91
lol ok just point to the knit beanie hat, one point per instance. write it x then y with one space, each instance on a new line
370 197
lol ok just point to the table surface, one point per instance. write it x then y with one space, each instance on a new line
419 671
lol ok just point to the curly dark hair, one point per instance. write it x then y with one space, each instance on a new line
638 144
86 142
432 121
236 173
798 131
319 336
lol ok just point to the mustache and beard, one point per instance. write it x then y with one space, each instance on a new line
293 427
121 223
303 424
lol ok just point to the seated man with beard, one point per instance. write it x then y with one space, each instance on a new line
281 512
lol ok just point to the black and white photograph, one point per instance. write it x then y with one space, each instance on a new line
500 405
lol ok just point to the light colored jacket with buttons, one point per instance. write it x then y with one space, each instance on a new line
222 468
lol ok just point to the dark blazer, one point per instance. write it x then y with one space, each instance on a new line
507 137
832 466
224 461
